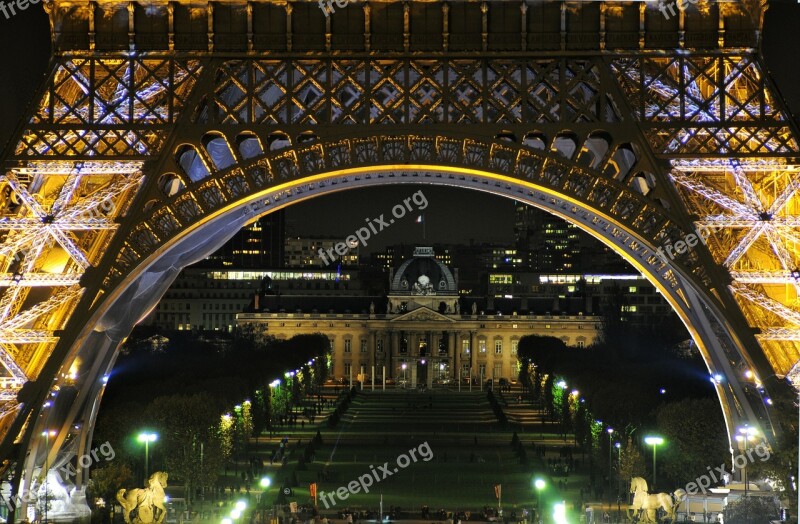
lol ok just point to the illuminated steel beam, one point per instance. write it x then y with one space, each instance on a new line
64 224
744 244
40 279
58 299
62 168
718 165
779 334
765 277
7 353
731 221
26 336
762 300
712 194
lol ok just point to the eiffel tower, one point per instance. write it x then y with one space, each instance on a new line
164 127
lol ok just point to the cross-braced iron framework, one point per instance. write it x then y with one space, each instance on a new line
164 128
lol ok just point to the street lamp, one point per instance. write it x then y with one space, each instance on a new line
539 484
655 442
746 434
610 459
404 366
46 434
147 438
618 445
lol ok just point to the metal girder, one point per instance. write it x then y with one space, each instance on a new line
767 303
755 276
780 334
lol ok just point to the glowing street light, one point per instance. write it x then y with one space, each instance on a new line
265 482
655 442
539 484
562 384
560 513
46 434
147 438
746 434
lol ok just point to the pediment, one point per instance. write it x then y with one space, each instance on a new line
422 314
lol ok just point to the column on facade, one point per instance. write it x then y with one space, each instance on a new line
393 347
473 350
451 348
457 355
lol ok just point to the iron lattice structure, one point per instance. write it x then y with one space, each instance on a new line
164 127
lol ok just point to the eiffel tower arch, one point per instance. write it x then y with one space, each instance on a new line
164 127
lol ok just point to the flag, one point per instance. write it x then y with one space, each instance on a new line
420 219
497 490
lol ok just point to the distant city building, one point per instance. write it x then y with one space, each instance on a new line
546 243
208 299
257 245
305 252
422 331
639 303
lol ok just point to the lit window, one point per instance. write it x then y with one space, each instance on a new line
347 345
498 347
482 346
465 345
363 345
514 344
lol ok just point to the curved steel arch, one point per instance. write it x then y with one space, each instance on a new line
696 134
189 225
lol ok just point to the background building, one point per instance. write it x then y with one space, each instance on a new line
422 331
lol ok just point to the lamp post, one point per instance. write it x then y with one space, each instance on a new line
746 434
618 445
655 442
404 366
147 438
610 432
46 434
539 484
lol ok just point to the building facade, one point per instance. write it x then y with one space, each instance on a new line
423 334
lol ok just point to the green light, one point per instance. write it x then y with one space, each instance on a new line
265 482
654 441
147 437
560 513
539 484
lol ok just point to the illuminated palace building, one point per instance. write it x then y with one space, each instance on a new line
422 331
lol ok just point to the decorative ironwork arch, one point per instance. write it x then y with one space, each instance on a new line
169 124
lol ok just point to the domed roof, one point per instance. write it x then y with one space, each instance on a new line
423 275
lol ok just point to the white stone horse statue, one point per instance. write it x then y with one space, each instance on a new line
647 505
145 506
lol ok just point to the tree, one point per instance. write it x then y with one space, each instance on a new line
631 463
106 481
695 436
752 510
190 440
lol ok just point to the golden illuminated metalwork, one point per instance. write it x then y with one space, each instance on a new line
164 127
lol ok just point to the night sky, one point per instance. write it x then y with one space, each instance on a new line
452 215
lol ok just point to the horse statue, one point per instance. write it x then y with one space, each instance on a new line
145 506
648 505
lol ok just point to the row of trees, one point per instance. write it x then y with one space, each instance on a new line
228 393
580 387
